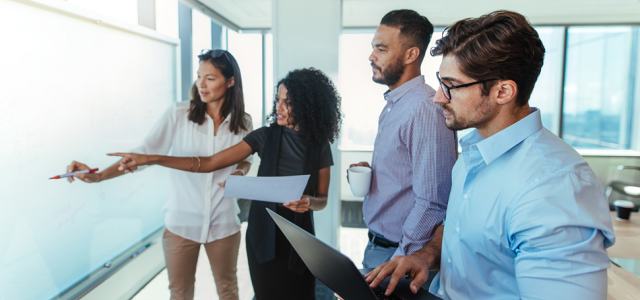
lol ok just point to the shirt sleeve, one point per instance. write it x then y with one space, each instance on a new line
558 231
256 140
249 123
160 138
432 148
326 159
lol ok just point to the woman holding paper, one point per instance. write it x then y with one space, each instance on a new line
305 119
195 212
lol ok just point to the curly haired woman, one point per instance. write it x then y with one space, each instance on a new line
305 119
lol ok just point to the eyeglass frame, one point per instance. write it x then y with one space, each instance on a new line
446 90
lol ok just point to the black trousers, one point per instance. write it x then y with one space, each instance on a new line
272 280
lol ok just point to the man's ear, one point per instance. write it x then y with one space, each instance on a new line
231 81
506 91
411 55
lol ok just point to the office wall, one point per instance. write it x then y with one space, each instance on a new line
74 85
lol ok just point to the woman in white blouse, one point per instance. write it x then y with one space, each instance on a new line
196 213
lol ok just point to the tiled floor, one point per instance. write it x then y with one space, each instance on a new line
352 244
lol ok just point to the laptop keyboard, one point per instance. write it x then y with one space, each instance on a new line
379 291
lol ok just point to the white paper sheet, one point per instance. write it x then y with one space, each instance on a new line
279 189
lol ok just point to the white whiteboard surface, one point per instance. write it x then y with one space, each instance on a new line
73 90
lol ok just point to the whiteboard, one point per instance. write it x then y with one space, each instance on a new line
70 90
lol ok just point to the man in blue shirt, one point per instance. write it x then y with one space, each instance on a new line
527 217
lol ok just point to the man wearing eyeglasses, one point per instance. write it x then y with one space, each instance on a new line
527 217
414 151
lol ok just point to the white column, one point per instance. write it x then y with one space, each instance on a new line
306 33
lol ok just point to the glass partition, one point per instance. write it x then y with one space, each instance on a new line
247 49
599 91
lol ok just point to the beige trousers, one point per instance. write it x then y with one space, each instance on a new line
181 256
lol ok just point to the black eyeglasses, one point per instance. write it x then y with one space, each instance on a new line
446 90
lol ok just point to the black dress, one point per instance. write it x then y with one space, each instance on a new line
277 272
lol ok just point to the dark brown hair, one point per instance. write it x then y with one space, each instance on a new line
502 44
234 102
415 29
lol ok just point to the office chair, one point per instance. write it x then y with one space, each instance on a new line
625 188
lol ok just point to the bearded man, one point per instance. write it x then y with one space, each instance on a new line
414 151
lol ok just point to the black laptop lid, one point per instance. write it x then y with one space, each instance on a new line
330 266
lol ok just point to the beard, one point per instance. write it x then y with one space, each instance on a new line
391 74
481 114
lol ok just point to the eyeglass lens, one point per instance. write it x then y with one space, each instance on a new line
445 89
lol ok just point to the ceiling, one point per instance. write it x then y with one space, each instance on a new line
244 13
254 14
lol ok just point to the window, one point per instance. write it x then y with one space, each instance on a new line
548 90
247 49
599 91
201 37
269 88
362 99
167 17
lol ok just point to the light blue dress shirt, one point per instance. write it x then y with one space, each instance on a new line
527 219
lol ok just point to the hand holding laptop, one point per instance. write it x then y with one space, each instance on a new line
399 267
339 273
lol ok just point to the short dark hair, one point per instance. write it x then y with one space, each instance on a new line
414 28
501 44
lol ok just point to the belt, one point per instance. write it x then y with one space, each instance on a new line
381 241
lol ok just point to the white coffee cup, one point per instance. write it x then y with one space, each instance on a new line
360 180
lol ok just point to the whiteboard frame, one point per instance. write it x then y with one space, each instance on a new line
124 276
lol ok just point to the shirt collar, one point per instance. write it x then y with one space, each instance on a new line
227 119
498 144
395 95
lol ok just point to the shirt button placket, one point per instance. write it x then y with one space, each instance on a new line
207 196
448 271
206 213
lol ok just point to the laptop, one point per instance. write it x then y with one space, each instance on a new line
337 271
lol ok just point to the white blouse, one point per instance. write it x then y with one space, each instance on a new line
195 208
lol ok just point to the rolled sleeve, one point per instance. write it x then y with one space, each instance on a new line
559 233
432 150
